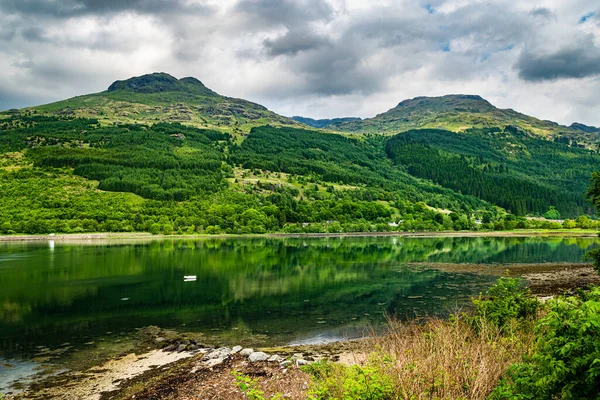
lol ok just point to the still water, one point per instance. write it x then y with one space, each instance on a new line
284 290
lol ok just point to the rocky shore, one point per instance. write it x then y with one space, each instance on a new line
170 365
180 367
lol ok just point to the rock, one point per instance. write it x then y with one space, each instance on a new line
181 348
276 358
192 347
213 362
171 347
258 356
159 340
285 363
297 355
236 349
302 362
246 352
222 352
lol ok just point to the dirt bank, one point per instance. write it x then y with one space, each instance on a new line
84 237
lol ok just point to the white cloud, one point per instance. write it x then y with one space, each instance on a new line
319 58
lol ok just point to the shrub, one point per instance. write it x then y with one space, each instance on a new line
155 229
565 363
337 381
594 256
504 303
251 388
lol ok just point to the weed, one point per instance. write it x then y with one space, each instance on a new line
250 387
337 381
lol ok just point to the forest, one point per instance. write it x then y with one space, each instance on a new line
518 172
65 174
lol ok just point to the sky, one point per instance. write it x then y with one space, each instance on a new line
315 58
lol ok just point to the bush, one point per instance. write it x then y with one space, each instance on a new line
337 381
566 361
155 229
504 303
251 387
594 256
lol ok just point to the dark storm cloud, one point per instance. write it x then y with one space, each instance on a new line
575 61
337 71
338 66
286 12
294 42
34 34
71 8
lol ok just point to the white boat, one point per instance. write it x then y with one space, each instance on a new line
189 277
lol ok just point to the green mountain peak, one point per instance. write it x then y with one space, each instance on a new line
159 82
160 97
459 113
447 103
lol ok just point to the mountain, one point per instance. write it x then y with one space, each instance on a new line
322 123
160 154
160 97
457 113
584 128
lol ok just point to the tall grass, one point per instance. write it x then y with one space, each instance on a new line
463 357
450 359
440 359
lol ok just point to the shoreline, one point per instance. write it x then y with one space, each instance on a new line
78 237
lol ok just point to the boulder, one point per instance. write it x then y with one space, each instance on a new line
236 349
258 356
246 352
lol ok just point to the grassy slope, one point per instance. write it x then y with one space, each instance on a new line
456 113
192 104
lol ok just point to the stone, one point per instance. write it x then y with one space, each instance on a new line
213 354
246 352
213 362
171 347
222 352
275 358
302 362
236 349
258 356
181 348
297 355
285 363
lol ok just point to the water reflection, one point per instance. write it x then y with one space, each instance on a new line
283 290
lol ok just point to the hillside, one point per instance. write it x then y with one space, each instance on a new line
322 123
458 113
519 172
160 97
139 157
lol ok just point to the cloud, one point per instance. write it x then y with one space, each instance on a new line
329 58
543 12
294 42
73 8
285 12
580 60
